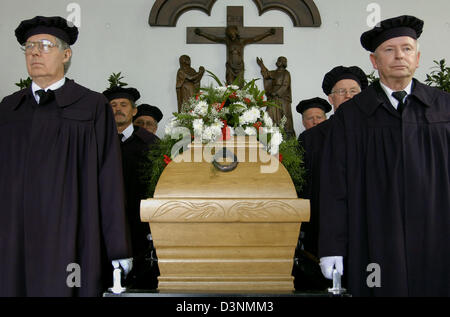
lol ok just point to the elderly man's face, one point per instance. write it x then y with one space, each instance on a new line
147 122
123 111
396 59
312 117
48 66
342 91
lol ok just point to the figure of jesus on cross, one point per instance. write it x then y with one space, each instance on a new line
235 36
235 49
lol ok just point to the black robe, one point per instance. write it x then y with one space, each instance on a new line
385 193
61 193
134 157
312 142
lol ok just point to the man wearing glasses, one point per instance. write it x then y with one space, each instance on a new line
147 117
343 83
340 85
62 217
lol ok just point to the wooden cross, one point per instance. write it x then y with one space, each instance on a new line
249 35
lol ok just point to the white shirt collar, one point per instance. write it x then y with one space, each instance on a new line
388 91
127 132
54 86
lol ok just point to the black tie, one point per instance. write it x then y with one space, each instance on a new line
400 95
121 137
45 96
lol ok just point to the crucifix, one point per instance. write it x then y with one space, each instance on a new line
235 36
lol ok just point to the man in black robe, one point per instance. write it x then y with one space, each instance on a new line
148 117
135 143
340 84
306 267
62 209
385 176
311 142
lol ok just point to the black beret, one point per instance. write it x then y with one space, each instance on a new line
56 26
148 110
122 92
341 72
313 103
405 25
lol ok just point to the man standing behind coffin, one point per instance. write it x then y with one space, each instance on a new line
311 143
306 269
62 208
134 143
340 84
385 176
343 83
148 117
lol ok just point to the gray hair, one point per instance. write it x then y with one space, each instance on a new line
62 47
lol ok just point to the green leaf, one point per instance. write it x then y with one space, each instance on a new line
211 74
439 77
115 80
24 83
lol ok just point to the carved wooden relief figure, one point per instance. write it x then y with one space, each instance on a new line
188 80
277 84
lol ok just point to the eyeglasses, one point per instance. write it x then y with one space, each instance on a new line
343 91
143 123
44 46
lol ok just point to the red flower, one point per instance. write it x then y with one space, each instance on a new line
233 95
167 159
248 101
257 125
280 157
221 106
225 131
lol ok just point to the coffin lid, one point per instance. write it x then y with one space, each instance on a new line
257 175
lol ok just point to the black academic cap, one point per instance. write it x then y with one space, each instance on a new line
148 110
341 72
56 26
405 25
313 103
122 92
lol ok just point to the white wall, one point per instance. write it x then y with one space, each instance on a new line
115 36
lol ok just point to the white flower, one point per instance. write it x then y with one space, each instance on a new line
169 127
201 108
275 142
233 87
210 134
221 89
216 129
249 116
197 124
268 122
250 131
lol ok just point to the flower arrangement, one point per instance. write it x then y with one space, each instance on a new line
216 113
221 110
